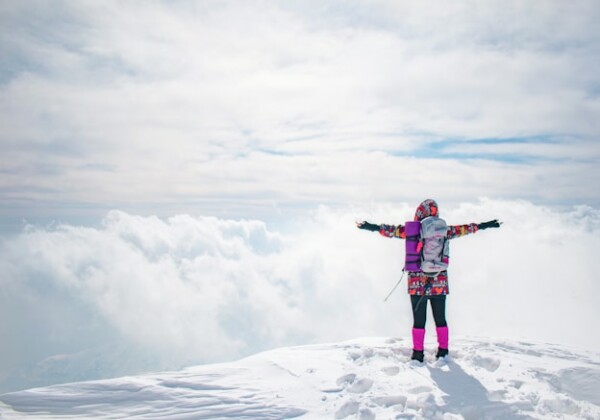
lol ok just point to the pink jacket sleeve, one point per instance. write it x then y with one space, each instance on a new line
461 230
391 231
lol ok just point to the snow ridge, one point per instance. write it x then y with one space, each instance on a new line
365 379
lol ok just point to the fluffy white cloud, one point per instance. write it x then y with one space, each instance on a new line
143 293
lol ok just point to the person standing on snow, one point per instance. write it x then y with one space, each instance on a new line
426 284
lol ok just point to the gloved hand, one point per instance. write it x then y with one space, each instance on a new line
491 224
368 226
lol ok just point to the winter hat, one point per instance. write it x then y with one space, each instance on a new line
427 208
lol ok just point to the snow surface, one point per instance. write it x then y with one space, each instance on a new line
365 378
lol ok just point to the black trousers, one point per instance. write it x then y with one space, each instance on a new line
438 307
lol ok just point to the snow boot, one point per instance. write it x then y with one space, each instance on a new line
442 338
417 355
418 336
441 353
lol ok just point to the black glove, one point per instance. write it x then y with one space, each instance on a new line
490 224
368 226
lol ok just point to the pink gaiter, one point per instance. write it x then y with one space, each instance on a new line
442 337
418 335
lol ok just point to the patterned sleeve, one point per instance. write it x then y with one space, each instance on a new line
461 230
391 231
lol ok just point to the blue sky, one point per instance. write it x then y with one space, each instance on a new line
239 108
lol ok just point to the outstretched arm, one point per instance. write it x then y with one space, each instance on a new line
389 231
462 230
457 231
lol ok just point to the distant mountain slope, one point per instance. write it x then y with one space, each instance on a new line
364 378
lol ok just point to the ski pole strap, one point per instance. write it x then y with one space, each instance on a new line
427 287
419 303
394 288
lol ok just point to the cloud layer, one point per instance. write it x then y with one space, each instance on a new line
143 293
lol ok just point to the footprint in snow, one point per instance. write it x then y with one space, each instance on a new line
390 400
366 414
346 379
353 385
560 406
352 407
349 408
356 355
391 370
488 363
368 353
360 386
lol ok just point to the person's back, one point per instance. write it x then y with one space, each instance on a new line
426 262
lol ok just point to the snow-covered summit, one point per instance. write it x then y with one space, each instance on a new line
364 378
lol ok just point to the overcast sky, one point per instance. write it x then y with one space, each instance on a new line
256 108
257 132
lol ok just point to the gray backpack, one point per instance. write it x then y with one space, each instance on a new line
434 248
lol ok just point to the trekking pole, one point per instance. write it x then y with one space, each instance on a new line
419 303
392 291
427 288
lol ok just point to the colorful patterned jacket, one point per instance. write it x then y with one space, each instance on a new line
419 283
